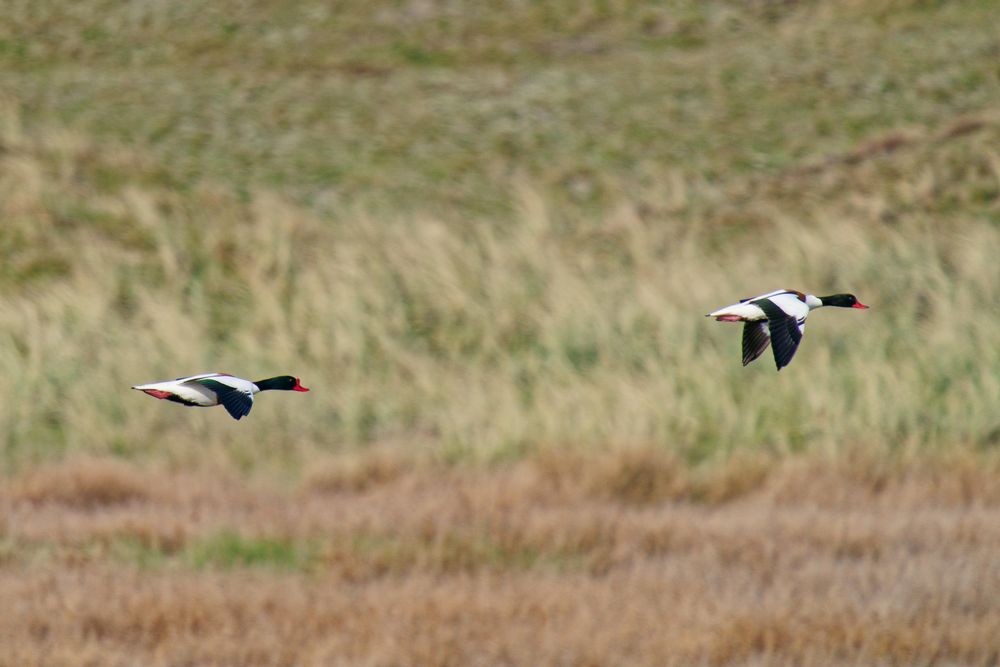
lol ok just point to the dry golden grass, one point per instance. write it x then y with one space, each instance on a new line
812 564
84 483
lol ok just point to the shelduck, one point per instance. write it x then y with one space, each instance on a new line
777 317
208 389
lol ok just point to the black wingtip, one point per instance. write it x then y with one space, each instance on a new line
236 403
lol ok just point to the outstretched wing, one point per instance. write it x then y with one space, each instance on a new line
236 402
786 331
755 340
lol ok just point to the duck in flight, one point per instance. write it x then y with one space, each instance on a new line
777 318
208 389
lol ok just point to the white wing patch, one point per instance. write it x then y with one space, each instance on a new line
791 304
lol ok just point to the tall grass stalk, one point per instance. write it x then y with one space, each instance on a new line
485 340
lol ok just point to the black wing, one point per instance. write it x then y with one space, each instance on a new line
237 403
785 332
755 340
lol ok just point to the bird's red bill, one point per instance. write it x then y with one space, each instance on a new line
860 305
298 386
157 393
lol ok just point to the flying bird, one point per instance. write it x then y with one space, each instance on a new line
777 318
208 389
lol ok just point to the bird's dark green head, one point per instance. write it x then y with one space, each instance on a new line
283 382
842 301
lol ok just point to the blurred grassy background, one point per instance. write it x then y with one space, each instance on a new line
480 230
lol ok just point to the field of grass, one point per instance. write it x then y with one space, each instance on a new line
556 561
486 237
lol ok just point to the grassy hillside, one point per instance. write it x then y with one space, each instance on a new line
568 314
437 106
491 338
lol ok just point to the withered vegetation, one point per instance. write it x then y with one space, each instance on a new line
813 563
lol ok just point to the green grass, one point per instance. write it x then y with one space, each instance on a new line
224 550
395 106
229 550
361 552
481 231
